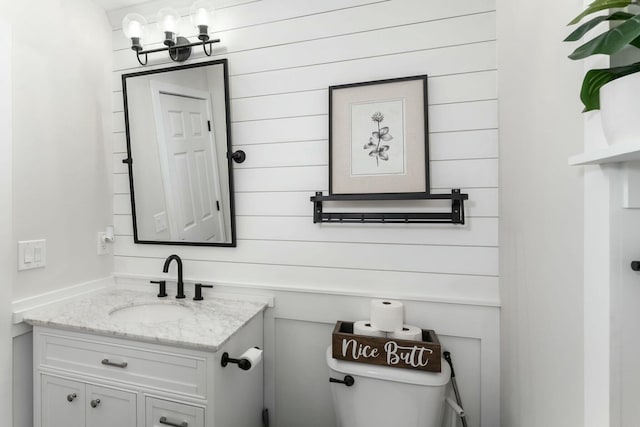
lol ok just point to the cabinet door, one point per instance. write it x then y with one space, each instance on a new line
163 413
107 407
62 402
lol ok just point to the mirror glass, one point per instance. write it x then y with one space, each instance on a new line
178 137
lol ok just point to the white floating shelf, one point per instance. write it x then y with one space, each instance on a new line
621 152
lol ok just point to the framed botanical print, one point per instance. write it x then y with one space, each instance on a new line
378 137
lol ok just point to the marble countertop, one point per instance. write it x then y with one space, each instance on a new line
213 322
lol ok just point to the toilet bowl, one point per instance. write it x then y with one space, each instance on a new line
383 396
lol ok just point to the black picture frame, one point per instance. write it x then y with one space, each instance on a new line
404 101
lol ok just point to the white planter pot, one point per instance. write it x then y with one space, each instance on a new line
619 107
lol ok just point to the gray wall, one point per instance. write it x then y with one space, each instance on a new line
60 160
7 248
541 212
59 168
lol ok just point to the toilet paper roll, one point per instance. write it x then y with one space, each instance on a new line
387 315
408 332
364 327
253 355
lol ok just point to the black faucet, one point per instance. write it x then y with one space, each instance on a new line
165 269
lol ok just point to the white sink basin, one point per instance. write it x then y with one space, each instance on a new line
150 313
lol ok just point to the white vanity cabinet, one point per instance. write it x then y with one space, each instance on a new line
87 380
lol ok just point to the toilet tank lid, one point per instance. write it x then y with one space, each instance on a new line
409 376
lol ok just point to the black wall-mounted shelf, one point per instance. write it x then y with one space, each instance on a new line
456 216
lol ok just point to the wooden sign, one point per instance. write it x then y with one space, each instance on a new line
423 355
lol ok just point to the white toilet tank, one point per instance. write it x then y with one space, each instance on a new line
383 396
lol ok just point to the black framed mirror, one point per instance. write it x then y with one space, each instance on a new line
179 143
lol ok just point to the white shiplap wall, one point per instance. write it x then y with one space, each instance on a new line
283 54
282 57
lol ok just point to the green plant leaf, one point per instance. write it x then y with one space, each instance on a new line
611 41
595 79
587 26
598 5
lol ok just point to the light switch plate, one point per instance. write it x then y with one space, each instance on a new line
32 254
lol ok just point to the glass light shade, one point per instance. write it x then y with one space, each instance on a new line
133 25
201 13
168 20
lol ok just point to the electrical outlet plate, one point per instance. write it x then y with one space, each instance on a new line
103 246
32 254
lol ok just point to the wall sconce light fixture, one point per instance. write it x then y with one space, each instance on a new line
168 20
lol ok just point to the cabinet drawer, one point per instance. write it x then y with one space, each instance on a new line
117 360
163 413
